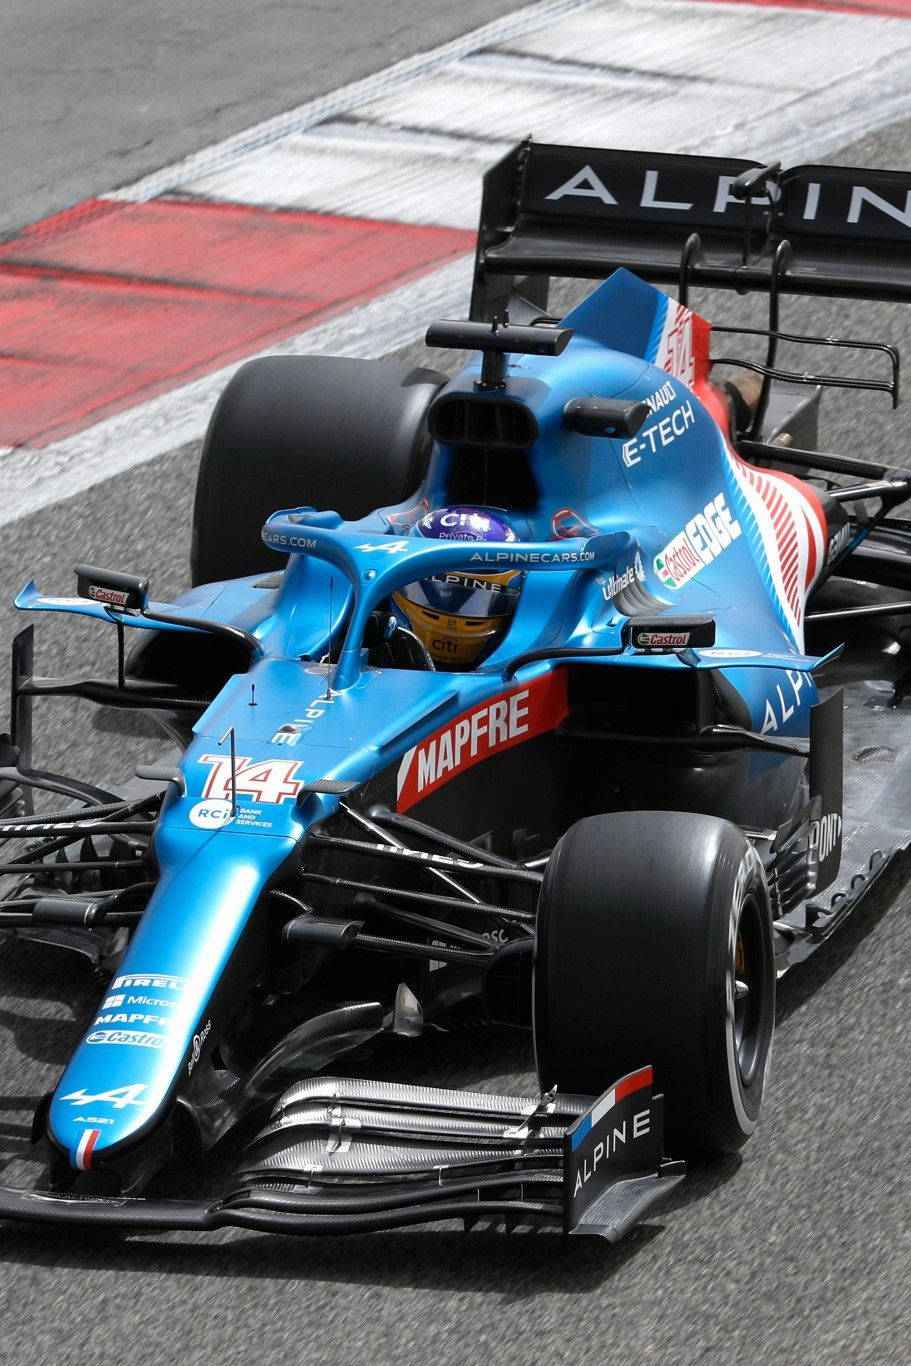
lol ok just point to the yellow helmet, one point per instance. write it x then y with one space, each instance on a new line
460 616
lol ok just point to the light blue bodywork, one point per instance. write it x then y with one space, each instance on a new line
361 720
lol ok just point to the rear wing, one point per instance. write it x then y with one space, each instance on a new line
581 212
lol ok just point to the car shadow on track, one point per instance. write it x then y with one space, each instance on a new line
441 1258
56 978
15 1133
516 1266
802 982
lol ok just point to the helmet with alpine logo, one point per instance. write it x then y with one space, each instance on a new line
460 616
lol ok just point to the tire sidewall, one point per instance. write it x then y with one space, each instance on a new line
329 432
739 888
635 964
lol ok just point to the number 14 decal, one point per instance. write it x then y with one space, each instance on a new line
265 780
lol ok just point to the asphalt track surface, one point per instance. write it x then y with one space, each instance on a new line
799 1251
97 94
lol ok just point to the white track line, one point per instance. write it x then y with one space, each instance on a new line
657 75
347 98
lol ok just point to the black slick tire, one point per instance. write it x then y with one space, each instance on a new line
294 431
654 945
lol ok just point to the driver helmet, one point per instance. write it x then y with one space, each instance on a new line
460 616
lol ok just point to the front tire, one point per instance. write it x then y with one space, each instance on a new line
654 945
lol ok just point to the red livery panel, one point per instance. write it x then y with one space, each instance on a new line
495 725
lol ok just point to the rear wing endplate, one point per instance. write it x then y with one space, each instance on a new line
582 212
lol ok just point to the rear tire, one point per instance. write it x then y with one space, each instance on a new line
646 922
296 431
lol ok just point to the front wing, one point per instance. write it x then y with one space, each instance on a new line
349 1156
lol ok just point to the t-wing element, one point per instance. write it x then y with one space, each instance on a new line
120 600
108 595
495 341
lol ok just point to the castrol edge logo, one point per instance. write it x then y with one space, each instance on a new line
487 729
701 541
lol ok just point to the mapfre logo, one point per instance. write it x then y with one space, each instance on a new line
485 730
265 780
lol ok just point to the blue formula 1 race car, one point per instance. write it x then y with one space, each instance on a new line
554 738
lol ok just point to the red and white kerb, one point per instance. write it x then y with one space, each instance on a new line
85 1149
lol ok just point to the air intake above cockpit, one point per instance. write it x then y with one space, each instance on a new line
491 419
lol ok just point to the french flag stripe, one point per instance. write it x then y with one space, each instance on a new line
634 1082
86 1148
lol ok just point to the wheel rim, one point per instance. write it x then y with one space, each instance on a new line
749 987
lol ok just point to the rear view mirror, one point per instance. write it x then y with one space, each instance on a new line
611 417
123 592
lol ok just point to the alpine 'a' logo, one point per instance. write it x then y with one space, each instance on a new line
119 1096
265 780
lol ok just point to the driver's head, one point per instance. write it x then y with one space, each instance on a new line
460 617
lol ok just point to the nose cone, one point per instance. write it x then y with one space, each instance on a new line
126 1062
170 998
